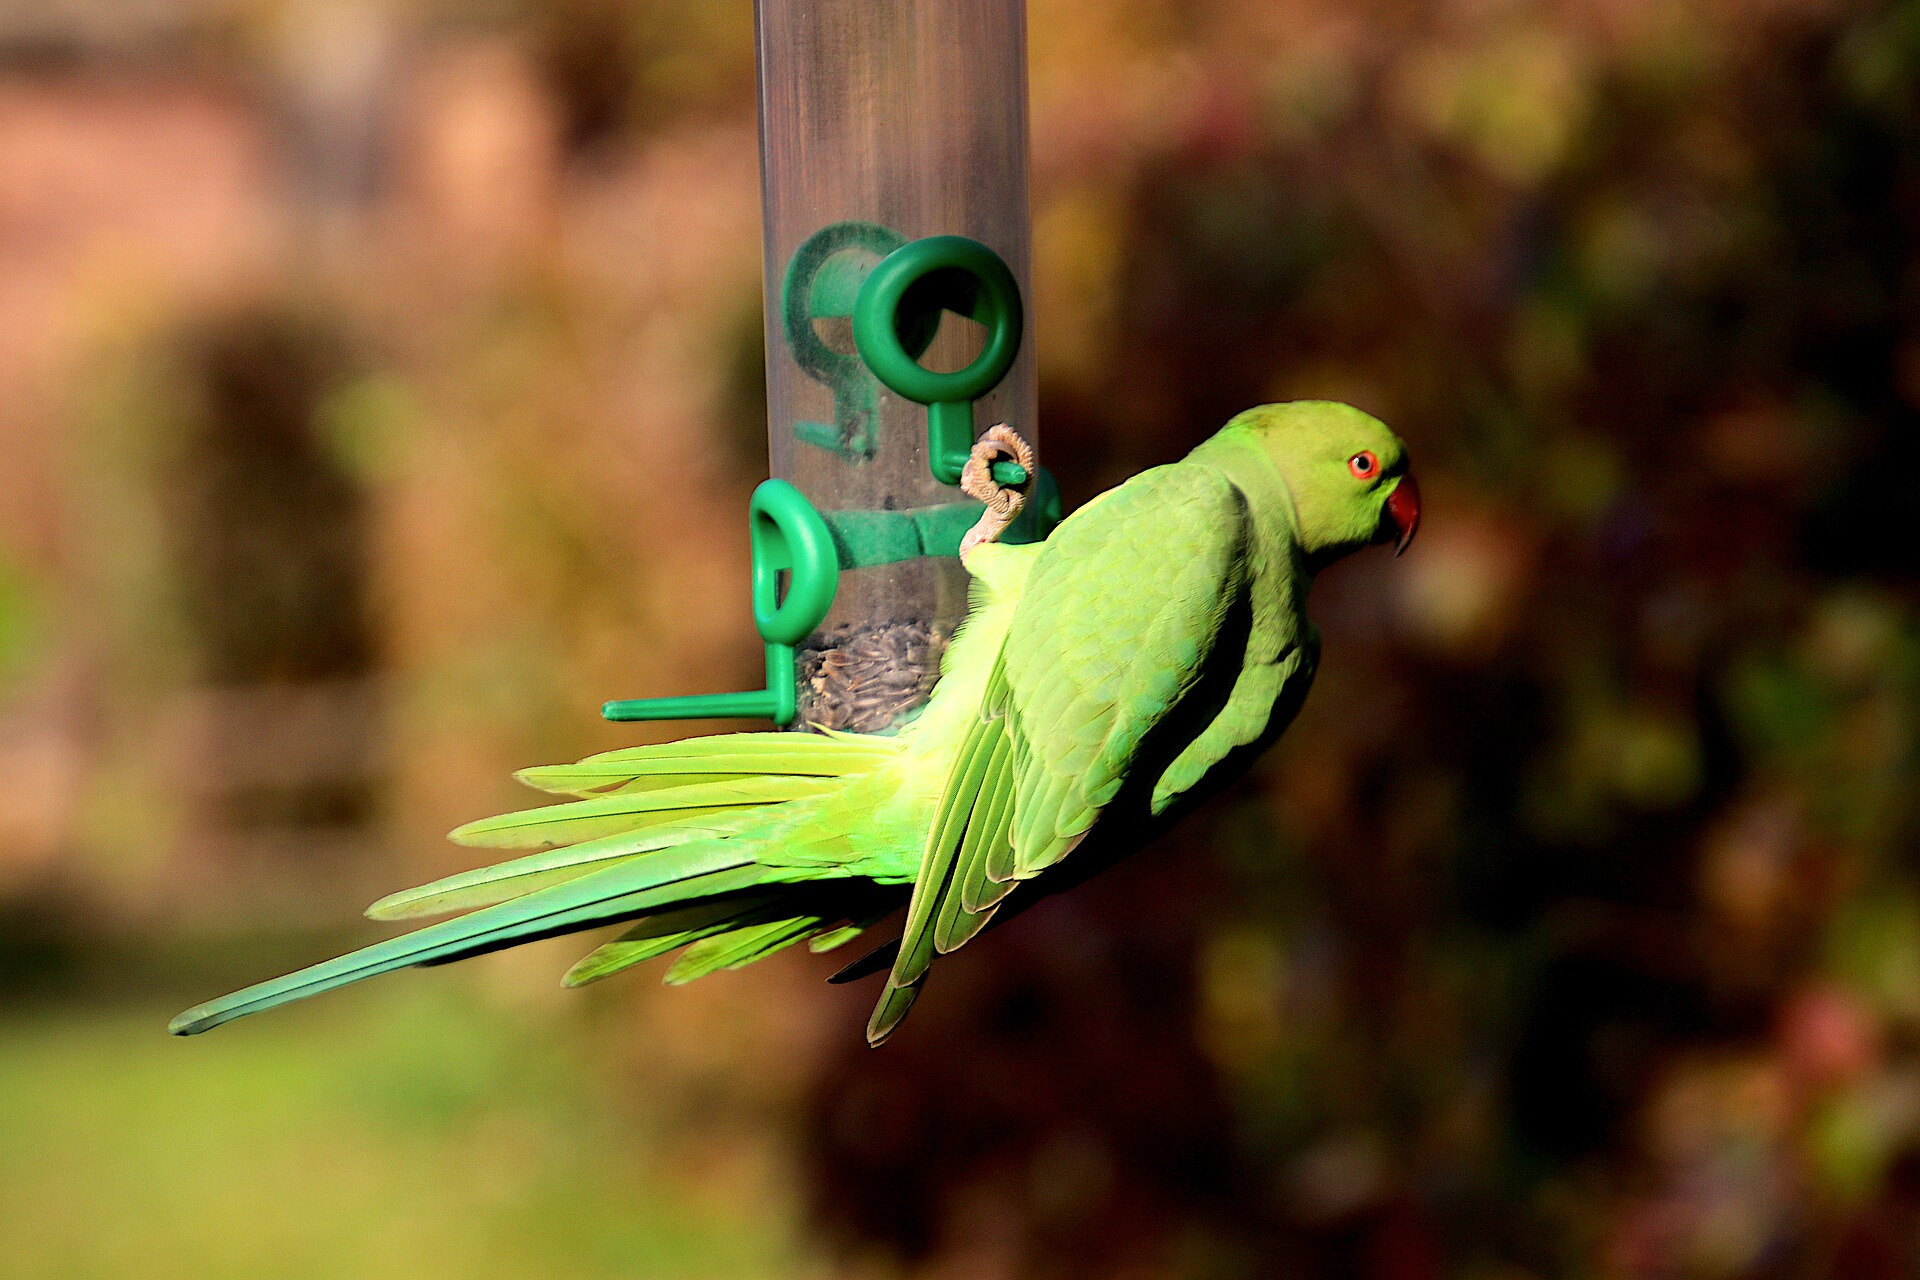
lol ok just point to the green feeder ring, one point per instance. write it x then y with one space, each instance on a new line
912 284
787 536
822 281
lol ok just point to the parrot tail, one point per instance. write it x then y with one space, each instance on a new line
665 836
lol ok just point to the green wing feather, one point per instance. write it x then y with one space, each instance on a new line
989 822
943 844
1092 666
890 1010
980 893
1086 671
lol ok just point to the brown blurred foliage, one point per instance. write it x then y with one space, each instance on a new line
382 389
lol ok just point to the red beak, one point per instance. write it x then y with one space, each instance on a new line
1403 508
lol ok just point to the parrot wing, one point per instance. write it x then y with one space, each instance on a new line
1121 612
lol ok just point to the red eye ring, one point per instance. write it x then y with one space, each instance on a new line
1364 465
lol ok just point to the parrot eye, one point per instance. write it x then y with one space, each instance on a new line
1364 465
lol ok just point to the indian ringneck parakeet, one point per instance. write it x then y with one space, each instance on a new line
1103 680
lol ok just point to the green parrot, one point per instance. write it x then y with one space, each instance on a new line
1102 681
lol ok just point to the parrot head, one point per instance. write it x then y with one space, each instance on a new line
1346 470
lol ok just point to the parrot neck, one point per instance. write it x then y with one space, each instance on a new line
1276 520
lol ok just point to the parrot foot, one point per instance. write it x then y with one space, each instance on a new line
1003 500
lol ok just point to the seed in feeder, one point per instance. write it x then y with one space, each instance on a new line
868 678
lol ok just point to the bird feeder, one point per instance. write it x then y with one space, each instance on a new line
893 147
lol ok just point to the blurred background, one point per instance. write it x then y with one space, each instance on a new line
382 386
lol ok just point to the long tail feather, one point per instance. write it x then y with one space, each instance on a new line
740 947
600 816
821 943
878 960
641 799
618 892
670 930
517 877
733 880
728 758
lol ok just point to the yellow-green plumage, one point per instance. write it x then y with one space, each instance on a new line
1150 643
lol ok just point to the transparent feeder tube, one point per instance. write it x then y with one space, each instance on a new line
882 122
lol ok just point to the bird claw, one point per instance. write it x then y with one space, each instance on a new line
1003 502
